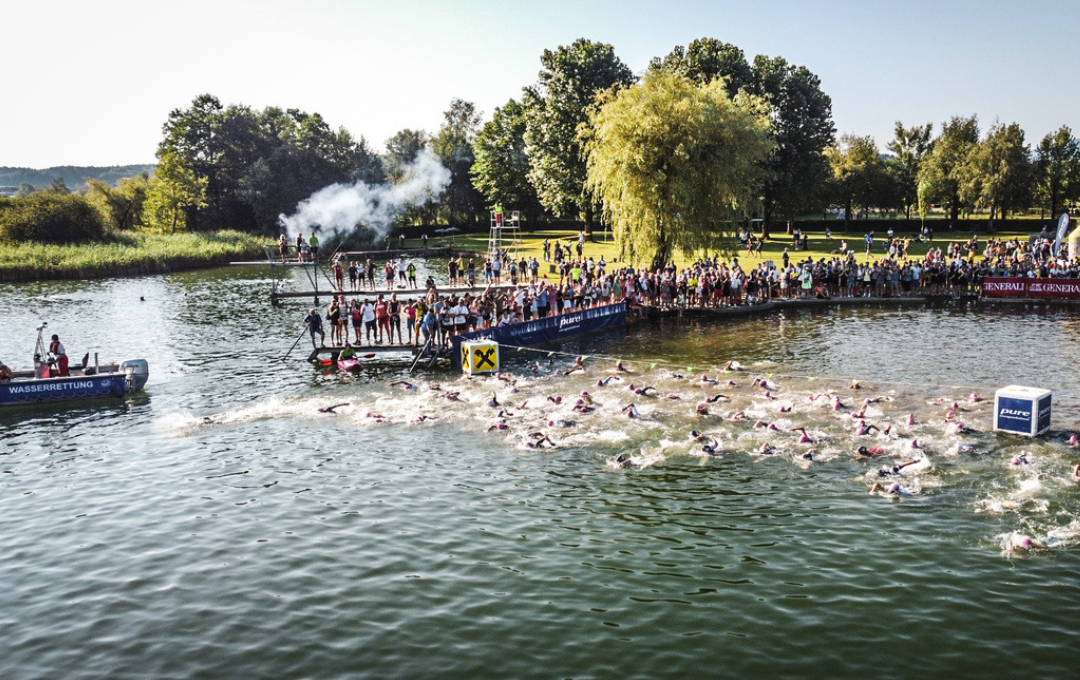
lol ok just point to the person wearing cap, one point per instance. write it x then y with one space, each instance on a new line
314 324
56 348
5 372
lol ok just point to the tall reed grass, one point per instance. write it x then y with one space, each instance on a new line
127 254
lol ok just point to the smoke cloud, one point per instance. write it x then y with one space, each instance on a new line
339 208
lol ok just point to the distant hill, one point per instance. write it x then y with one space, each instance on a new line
74 176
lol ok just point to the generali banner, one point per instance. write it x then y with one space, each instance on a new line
1032 288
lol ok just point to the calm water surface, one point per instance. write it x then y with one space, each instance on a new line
140 540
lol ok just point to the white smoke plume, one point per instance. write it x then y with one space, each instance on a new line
339 208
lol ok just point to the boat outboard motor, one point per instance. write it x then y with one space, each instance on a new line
136 373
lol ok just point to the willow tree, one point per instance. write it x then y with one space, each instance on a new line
676 165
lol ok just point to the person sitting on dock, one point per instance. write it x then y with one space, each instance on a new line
314 324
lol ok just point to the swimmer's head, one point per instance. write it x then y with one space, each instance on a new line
863 451
579 402
894 488
702 408
1073 440
584 393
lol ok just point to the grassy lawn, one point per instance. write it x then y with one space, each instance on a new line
127 254
818 245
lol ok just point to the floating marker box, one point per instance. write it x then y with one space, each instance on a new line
479 356
1022 410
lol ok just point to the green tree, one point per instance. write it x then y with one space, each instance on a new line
59 187
453 144
706 59
941 171
175 192
997 175
675 164
1057 170
802 128
501 169
910 146
858 174
50 217
558 106
121 206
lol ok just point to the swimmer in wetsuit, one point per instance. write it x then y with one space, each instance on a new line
713 400
498 425
404 383
865 452
896 469
581 407
711 446
540 440
555 399
631 411
803 437
644 391
622 460
493 402
330 409
894 489
602 382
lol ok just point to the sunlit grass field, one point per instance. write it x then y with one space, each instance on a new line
128 254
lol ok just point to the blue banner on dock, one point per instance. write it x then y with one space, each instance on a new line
549 329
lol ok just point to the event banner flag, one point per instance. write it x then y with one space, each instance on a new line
1068 289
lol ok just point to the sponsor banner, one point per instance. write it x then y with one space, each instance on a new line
60 389
1067 289
1014 415
540 331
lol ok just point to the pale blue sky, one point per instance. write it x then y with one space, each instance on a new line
88 83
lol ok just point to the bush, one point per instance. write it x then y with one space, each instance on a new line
50 218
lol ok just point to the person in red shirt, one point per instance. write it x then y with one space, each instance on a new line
56 348
382 316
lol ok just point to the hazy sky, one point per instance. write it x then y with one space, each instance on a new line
88 83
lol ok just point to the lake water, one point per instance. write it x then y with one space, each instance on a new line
272 541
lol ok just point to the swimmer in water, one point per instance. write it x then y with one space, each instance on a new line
580 407
766 449
855 385
540 440
1022 459
620 368
579 364
1074 442
803 437
837 405
713 400
586 397
330 409
622 460
420 419
733 366
498 425
555 399
738 415
631 411
1020 542
864 428
454 396
644 391
603 382
672 395
892 489
562 423
910 420
493 402
808 456
404 383
874 400
896 469
711 446
869 452
861 413
706 379
766 424
702 409
1076 472
786 408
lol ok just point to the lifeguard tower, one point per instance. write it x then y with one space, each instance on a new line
505 234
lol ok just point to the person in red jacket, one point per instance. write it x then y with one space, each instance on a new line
56 348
